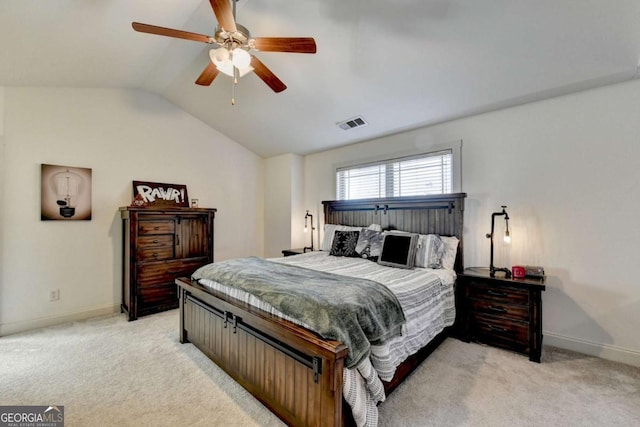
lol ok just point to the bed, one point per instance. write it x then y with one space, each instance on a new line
294 372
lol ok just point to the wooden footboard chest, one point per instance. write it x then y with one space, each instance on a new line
293 372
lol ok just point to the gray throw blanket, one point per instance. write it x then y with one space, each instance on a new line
356 312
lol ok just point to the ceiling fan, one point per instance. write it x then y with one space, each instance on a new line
233 46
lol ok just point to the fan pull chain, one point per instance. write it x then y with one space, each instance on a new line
234 82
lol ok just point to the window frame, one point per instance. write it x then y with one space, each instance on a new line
456 167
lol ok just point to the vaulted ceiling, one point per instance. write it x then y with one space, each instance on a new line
399 64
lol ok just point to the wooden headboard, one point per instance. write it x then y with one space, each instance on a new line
438 214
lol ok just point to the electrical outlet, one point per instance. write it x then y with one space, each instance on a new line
54 295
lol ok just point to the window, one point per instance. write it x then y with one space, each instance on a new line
419 175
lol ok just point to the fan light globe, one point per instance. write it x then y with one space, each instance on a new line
219 56
241 58
226 68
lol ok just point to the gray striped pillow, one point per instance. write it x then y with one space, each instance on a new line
430 251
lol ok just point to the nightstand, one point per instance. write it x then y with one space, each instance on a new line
289 252
502 312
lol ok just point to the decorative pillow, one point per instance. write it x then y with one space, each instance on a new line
369 244
430 251
375 227
398 250
450 251
344 243
330 229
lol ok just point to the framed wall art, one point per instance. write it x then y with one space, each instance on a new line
65 193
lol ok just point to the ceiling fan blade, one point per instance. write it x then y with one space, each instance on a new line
224 14
210 72
285 44
169 32
266 75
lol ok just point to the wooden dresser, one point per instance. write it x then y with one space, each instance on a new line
160 245
501 312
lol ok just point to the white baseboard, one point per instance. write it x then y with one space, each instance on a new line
42 322
604 351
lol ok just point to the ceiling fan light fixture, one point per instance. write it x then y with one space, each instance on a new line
225 61
241 58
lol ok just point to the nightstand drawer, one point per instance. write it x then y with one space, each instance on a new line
504 294
509 311
503 333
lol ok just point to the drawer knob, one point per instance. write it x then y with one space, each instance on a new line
497 309
497 328
156 228
155 241
155 255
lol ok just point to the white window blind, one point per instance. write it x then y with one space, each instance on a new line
420 175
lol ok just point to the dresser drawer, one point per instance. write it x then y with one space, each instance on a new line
503 294
500 309
153 241
155 247
153 273
512 335
156 227
158 294
157 253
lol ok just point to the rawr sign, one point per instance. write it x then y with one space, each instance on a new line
159 194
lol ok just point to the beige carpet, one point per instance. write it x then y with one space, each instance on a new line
110 372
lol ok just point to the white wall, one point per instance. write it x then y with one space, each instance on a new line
2 180
122 135
284 208
568 169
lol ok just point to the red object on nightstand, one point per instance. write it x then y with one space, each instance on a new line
518 271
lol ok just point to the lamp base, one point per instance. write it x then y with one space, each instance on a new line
506 271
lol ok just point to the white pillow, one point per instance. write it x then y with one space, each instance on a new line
430 251
330 230
450 251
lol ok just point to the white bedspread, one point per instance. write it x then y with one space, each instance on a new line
426 296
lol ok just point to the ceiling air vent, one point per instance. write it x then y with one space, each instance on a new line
354 122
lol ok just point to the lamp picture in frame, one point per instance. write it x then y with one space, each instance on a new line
65 193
